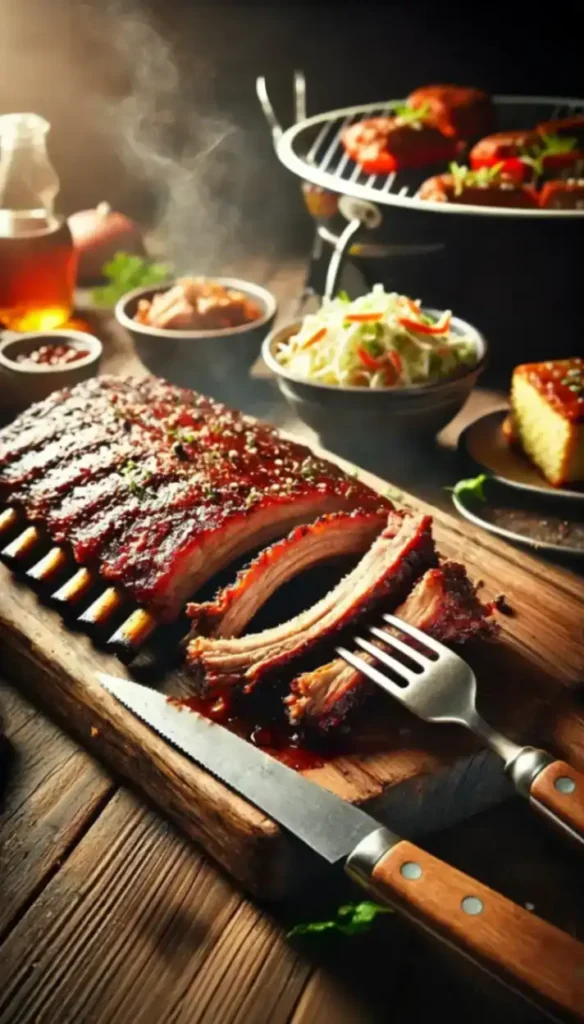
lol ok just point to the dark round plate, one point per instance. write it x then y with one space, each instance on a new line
483 441
531 521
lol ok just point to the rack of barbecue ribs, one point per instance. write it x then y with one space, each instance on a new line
152 489
123 496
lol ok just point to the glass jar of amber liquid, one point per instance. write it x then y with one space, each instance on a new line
38 264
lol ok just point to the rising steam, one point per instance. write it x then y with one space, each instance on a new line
192 158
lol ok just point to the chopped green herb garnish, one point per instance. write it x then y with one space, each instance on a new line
125 272
351 919
137 478
551 145
475 486
465 178
411 115
343 296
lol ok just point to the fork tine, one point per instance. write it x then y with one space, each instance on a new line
396 666
405 627
370 671
388 638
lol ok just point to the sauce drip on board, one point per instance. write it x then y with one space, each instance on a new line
275 740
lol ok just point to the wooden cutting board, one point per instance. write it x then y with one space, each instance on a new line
412 776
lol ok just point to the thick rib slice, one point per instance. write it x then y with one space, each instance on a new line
387 571
443 603
341 533
180 561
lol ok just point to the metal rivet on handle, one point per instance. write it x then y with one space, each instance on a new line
411 870
564 784
472 905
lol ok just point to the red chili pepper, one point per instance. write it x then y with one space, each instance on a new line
363 318
369 361
315 337
420 328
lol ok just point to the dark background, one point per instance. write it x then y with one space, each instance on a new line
138 95
74 62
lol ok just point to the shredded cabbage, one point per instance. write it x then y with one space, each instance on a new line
379 340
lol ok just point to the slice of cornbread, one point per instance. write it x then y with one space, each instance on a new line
547 411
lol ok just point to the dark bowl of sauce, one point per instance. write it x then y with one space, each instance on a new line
33 365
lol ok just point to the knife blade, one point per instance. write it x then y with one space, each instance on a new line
328 825
532 957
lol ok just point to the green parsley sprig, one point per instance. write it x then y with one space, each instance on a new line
551 145
124 272
464 177
351 919
411 115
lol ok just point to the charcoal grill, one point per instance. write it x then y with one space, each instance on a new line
488 263
312 149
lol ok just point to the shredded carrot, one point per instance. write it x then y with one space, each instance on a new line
363 318
315 337
369 361
421 328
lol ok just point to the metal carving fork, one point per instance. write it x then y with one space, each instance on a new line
441 687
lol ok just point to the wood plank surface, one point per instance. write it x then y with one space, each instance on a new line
389 975
522 676
53 792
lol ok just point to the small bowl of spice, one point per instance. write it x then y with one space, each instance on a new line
33 365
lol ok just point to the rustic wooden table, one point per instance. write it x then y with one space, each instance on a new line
108 915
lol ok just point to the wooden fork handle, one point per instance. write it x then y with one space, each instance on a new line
533 957
557 792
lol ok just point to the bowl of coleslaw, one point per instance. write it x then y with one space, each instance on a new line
382 361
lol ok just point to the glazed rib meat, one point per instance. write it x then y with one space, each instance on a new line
340 533
443 603
386 573
158 487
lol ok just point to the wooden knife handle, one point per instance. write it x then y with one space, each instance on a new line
558 792
533 957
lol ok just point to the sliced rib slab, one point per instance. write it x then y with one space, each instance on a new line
159 488
385 573
443 603
340 533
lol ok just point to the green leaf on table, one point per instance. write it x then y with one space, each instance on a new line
124 272
351 919
474 486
